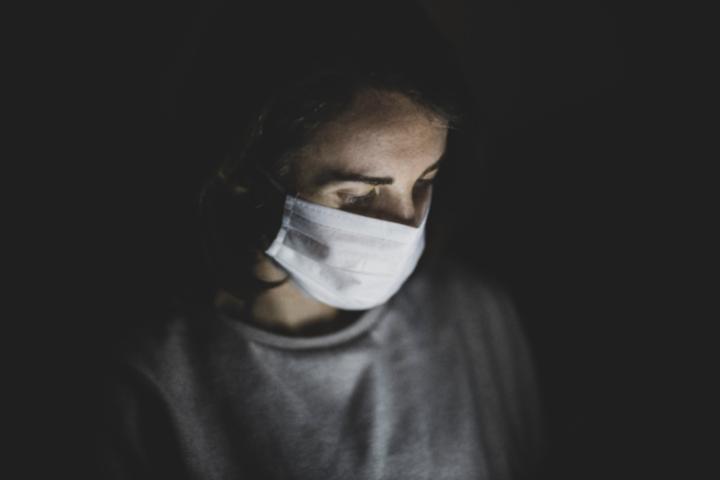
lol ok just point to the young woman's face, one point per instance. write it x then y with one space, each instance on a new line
378 159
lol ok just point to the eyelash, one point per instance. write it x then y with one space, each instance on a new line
357 199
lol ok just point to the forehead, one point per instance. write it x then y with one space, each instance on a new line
382 133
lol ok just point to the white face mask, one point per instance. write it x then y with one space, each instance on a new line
346 260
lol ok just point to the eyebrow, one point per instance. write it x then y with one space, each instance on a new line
333 176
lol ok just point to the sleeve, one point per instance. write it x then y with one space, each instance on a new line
133 435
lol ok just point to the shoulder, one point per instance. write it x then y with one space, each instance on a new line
489 328
163 350
453 294
148 381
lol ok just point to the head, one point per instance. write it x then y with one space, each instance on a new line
378 158
368 144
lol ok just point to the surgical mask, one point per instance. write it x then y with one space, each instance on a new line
346 260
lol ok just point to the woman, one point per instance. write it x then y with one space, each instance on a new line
333 346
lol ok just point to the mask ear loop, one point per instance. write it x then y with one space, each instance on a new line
272 180
276 184
277 242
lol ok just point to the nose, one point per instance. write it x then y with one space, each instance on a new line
406 213
405 209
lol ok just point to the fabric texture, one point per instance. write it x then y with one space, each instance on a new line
343 259
437 383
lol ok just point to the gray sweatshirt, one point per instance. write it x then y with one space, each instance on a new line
435 384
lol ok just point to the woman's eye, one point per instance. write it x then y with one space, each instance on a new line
349 199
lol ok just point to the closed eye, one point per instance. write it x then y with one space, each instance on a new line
349 199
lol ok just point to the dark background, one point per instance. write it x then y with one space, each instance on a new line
574 206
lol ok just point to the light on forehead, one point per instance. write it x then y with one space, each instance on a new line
379 110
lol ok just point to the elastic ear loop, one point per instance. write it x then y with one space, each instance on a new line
282 190
272 180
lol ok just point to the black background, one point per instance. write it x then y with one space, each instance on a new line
579 207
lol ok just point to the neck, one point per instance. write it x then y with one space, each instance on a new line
285 309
